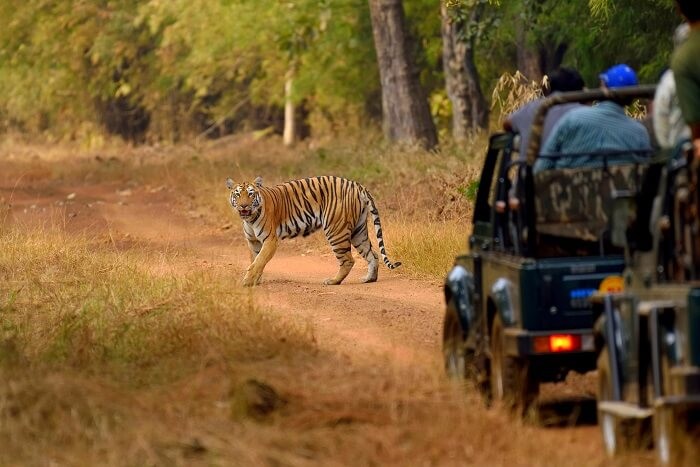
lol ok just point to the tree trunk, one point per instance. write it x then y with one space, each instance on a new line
534 60
289 135
405 111
469 109
551 57
528 57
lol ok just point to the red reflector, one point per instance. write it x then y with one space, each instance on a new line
564 342
540 344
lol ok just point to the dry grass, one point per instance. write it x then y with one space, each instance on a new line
77 302
98 351
427 252
512 91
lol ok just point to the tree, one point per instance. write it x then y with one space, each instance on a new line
540 47
405 110
460 29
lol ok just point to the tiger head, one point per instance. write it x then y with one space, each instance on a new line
245 197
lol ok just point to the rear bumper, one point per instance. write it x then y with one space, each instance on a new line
520 342
552 366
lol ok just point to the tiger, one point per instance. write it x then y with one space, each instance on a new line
300 207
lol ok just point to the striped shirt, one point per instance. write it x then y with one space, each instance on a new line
583 132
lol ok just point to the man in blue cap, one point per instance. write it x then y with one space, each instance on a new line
604 127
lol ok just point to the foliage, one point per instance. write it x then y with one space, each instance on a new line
169 70
469 191
187 64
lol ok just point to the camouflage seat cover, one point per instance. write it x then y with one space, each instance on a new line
576 203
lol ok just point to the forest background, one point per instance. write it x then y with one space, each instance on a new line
166 71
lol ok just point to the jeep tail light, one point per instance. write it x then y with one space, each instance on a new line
557 343
564 342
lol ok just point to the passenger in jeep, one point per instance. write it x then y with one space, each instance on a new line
562 79
669 126
583 134
686 69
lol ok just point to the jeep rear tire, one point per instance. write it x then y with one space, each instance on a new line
459 361
511 381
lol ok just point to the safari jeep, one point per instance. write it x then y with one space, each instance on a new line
649 366
517 303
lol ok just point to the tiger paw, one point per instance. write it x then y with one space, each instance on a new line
250 281
330 281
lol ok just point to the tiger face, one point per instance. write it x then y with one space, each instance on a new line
245 197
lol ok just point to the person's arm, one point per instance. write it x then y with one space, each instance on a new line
661 110
688 91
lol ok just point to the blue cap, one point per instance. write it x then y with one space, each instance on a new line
619 76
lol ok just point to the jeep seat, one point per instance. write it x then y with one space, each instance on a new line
576 203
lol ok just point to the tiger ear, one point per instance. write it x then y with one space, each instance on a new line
229 184
258 182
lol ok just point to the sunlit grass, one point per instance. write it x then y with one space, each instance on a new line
427 250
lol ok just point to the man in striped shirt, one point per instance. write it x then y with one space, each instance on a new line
579 138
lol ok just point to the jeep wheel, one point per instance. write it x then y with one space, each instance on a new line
458 359
511 381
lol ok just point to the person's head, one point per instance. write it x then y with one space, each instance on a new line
680 34
690 9
563 79
618 76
